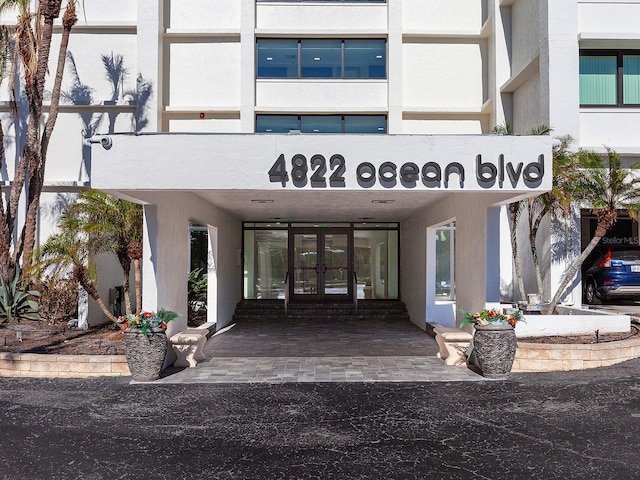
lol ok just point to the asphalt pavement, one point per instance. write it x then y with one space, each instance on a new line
565 425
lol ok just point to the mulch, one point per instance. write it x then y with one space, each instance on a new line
28 336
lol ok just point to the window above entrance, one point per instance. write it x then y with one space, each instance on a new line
322 58
321 123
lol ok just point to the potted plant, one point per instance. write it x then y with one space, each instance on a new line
494 340
145 342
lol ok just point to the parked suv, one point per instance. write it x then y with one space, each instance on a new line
611 272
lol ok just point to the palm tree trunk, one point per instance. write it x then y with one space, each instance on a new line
137 271
513 220
533 233
125 263
571 272
50 10
83 279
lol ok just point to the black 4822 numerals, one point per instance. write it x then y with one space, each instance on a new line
313 171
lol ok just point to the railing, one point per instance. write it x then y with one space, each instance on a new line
286 292
355 290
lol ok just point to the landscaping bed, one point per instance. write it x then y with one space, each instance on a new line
29 336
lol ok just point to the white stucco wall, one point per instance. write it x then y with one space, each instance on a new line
442 15
188 15
444 74
321 95
193 81
525 39
276 17
473 253
166 254
607 16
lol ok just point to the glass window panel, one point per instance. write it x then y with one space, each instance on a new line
265 263
336 278
365 59
321 124
445 262
321 59
598 80
365 124
376 263
277 58
276 123
305 261
631 79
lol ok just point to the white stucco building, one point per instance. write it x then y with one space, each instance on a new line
327 141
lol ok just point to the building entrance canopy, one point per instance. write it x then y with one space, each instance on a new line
418 182
262 177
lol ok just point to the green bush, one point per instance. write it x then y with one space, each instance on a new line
15 302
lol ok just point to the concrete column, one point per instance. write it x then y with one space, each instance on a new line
394 66
472 275
247 67
150 53
559 67
492 260
150 258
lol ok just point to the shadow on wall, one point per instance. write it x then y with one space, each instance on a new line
82 94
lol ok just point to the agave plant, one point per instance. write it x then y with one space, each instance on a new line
15 302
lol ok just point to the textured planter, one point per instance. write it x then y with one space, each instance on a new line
145 354
495 349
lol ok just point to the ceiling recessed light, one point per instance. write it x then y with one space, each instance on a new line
382 201
261 201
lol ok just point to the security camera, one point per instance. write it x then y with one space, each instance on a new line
104 140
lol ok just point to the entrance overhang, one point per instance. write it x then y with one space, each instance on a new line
330 177
420 181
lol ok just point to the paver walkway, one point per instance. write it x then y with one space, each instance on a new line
320 351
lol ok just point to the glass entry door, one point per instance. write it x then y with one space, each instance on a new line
321 264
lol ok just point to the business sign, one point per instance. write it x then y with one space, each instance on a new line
318 171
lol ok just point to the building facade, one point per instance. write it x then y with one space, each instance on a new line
336 150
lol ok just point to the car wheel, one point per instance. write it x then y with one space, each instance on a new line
590 294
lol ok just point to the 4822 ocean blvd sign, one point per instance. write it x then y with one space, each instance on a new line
329 171
326 162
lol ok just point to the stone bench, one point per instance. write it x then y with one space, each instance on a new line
188 346
453 344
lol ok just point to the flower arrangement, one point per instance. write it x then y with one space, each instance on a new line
491 317
147 320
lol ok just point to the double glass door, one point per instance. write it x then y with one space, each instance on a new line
321 264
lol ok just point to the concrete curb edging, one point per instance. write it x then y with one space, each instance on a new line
546 357
45 365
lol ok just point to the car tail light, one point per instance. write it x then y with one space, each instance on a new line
608 282
606 261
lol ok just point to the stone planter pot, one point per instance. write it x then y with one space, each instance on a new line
495 348
145 354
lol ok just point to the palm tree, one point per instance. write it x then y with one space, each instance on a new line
113 225
567 166
67 254
515 210
606 190
32 37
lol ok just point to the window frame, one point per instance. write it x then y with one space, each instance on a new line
619 54
343 67
342 122
321 1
